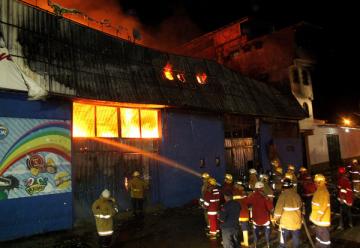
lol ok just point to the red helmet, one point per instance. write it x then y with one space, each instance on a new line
342 170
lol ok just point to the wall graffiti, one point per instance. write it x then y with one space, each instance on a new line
34 157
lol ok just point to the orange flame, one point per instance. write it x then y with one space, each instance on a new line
201 78
168 73
181 77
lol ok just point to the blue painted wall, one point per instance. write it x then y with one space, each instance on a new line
187 138
287 156
26 216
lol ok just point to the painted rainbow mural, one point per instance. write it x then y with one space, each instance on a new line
51 137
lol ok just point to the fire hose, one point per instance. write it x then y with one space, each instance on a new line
307 232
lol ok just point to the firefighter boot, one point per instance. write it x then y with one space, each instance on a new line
245 239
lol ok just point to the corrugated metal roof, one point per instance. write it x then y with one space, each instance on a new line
98 66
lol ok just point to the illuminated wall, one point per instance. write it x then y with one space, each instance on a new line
91 120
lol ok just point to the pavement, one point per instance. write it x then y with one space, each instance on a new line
165 228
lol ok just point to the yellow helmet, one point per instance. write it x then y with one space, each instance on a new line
302 169
205 175
354 161
252 171
291 167
212 181
136 174
228 178
319 178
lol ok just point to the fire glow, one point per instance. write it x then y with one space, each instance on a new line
168 72
201 78
150 155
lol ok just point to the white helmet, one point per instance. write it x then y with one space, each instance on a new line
252 171
259 185
105 193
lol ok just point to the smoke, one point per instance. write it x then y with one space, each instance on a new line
108 16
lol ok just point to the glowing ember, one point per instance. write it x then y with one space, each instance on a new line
201 78
168 73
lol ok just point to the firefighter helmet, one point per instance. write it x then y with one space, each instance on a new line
136 174
302 169
287 183
205 175
291 167
319 178
354 161
105 193
212 181
259 185
252 171
341 170
228 178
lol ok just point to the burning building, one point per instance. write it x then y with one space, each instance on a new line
80 110
284 57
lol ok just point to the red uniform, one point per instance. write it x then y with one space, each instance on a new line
307 185
261 208
212 202
242 199
345 192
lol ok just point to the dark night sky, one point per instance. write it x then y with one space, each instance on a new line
334 79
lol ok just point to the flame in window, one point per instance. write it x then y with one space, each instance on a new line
149 123
168 73
106 122
130 123
83 120
181 77
201 78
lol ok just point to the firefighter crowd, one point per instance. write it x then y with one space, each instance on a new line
281 201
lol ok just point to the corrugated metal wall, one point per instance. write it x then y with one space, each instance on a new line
98 166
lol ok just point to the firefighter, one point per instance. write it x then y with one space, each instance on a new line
240 196
205 176
267 189
320 212
288 212
104 209
212 204
277 181
307 189
137 187
228 184
252 179
355 177
345 197
261 209
229 219
290 173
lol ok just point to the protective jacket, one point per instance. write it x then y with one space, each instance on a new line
268 191
252 181
261 208
307 185
355 177
242 199
104 209
345 194
137 187
320 207
212 201
288 210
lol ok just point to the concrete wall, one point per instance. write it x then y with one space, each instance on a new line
318 148
26 210
187 138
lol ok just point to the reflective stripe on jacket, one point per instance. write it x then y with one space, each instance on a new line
320 207
261 208
345 194
104 209
288 210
